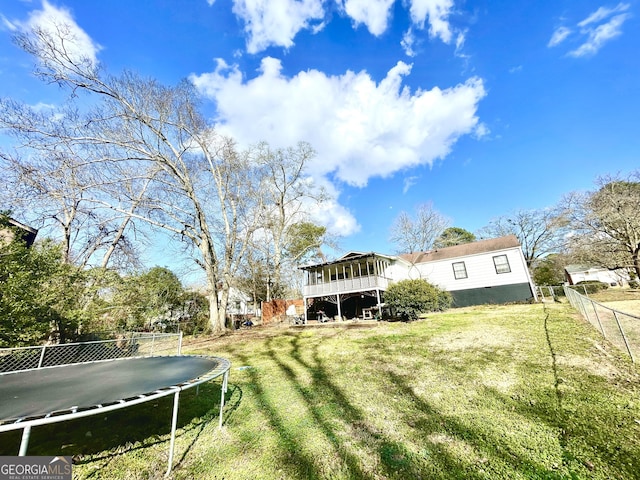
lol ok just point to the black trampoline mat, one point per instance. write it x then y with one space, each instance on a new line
39 392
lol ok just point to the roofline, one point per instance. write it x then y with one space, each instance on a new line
16 223
344 259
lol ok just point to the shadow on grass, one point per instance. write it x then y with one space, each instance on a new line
361 439
291 457
487 447
439 443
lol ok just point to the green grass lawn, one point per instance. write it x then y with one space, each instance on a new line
524 391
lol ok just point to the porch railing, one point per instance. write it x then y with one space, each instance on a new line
345 286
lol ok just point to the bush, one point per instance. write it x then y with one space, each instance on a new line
410 298
590 286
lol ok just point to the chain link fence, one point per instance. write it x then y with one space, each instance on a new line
133 344
620 328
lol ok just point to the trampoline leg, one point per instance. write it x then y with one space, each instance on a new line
174 423
223 389
24 444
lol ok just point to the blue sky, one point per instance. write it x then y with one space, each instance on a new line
480 107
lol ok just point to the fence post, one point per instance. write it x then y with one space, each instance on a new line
593 304
41 361
583 310
624 337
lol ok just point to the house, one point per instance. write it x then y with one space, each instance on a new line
10 227
239 303
487 271
584 273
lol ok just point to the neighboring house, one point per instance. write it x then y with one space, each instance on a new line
8 234
585 273
487 271
239 303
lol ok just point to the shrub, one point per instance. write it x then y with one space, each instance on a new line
410 298
591 286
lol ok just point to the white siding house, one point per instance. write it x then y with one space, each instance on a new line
584 273
487 271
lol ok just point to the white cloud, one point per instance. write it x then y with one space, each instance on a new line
359 128
276 22
77 43
336 217
437 12
374 14
409 182
599 27
560 34
408 40
8 24
600 35
603 13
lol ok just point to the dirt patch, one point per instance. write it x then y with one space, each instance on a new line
631 307
599 368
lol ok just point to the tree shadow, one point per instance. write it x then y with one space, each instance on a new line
489 447
393 459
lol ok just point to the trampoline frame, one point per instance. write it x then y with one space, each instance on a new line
26 423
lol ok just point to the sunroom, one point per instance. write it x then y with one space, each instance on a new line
350 287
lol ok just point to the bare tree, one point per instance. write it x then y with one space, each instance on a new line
418 234
288 194
197 185
53 186
606 223
540 232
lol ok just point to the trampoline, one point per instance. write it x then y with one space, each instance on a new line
65 392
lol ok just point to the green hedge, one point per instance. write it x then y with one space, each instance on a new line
590 286
411 298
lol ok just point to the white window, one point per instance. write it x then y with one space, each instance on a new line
502 264
459 270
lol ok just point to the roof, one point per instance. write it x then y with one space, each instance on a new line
345 258
473 248
577 268
29 234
